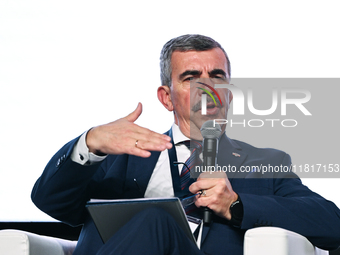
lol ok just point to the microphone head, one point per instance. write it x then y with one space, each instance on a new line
211 130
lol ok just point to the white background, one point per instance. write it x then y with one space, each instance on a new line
66 66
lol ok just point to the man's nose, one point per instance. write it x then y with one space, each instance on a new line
204 83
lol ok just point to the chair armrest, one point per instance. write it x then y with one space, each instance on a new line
278 241
17 242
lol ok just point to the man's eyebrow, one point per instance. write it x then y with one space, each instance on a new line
189 72
217 71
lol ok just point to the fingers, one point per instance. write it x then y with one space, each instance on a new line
132 117
147 139
141 142
152 141
207 180
120 136
218 194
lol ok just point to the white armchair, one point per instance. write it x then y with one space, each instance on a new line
258 241
278 241
16 242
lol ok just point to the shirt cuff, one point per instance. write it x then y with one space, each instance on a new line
81 154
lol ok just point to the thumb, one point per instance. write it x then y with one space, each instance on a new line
132 117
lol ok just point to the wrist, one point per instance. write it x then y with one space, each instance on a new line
91 145
236 212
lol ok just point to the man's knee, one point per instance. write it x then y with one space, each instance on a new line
154 214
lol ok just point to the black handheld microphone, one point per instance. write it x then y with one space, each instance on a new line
211 133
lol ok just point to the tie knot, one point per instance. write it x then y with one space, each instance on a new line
192 145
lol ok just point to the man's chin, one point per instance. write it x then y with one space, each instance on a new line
197 120
195 128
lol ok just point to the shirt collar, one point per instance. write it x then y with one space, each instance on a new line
177 134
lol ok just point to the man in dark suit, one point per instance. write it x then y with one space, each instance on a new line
124 160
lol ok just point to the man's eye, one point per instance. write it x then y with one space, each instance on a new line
220 78
189 79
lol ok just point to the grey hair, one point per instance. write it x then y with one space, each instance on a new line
185 43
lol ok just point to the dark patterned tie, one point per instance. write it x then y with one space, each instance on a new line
193 160
185 180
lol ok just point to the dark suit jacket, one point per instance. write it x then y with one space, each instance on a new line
269 200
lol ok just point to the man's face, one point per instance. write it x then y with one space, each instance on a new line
209 67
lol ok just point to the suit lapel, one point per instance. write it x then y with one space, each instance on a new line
139 172
230 156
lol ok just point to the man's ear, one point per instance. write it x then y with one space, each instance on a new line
164 96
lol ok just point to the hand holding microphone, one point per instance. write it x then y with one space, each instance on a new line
218 193
211 133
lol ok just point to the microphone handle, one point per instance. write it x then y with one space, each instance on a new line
207 215
209 159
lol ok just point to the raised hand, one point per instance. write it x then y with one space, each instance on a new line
124 136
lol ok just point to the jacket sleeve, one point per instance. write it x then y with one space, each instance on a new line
64 187
294 207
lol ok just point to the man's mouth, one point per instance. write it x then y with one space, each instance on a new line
210 106
212 109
